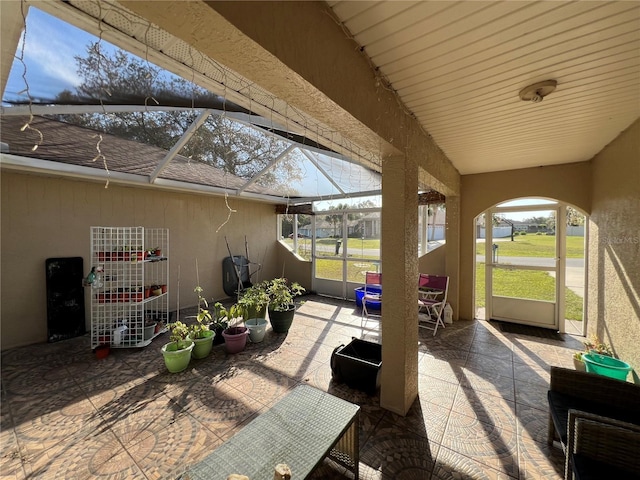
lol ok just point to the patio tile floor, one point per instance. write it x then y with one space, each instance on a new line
481 411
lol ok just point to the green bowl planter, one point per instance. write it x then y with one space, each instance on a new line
257 329
176 360
235 339
281 321
203 346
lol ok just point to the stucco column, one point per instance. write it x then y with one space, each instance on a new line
12 24
399 385
452 258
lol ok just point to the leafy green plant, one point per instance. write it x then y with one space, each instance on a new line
281 295
595 344
230 317
254 299
200 328
179 334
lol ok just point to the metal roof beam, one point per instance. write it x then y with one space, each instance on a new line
255 178
64 170
313 160
80 109
186 136
321 198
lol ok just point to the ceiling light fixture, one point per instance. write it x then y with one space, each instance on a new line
536 92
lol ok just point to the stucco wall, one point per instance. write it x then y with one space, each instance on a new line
614 246
292 268
434 262
46 217
569 183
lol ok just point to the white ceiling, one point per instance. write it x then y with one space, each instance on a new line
459 66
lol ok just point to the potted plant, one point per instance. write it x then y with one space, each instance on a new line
199 331
253 302
281 305
177 353
235 336
219 323
593 345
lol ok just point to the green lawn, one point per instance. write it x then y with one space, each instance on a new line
520 283
352 242
530 284
535 246
332 269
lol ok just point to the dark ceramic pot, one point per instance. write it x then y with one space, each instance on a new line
281 321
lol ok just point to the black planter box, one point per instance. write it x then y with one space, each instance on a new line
358 365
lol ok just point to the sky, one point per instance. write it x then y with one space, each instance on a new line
49 51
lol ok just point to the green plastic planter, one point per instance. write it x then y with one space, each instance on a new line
176 360
203 346
606 366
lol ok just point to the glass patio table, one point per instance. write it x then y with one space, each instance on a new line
300 430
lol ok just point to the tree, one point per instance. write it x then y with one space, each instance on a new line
574 217
336 219
119 78
432 210
551 222
498 220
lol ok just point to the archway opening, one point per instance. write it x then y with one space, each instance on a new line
530 264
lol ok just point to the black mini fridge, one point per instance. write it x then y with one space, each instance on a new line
65 298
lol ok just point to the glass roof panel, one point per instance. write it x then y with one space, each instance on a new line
116 92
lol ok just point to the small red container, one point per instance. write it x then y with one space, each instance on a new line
102 351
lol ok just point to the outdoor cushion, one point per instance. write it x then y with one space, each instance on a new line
560 404
585 468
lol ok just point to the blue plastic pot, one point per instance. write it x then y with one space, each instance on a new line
371 304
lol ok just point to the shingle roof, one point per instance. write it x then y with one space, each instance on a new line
66 143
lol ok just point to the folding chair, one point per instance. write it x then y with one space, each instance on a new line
372 279
432 298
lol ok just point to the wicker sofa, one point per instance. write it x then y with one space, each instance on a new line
595 419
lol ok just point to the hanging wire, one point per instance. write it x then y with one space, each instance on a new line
98 51
223 118
101 156
148 76
230 211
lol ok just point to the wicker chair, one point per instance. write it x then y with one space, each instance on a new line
600 447
571 392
